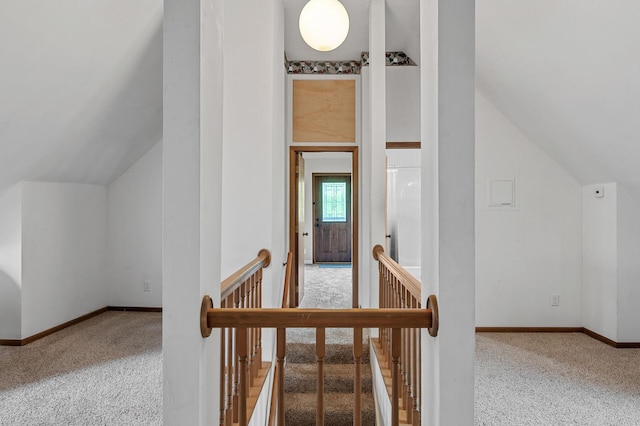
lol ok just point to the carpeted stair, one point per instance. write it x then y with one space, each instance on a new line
301 384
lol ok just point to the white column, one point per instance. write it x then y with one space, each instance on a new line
448 266
378 136
192 152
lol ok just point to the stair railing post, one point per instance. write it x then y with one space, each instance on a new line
357 380
320 352
242 357
395 376
281 344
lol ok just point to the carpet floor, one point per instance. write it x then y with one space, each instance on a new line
327 288
108 371
554 379
104 371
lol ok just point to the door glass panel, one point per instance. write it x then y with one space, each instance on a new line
334 201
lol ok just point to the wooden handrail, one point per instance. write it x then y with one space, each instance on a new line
410 282
318 318
246 319
241 365
235 280
400 355
241 319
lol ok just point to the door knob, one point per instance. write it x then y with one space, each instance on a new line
305 234
388 235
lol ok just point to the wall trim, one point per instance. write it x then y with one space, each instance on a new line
529 329
27 340
403 145
133 309
22 342
592 334
619 345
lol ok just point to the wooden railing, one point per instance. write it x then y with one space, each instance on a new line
401 290
246 319
277 396
241 291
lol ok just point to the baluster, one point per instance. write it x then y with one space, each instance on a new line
244 368
253 371
395 376
381 285
280 353
259 305
418 397
230 369
405 356
357 379
223 354
320 349
238 301
393 304
414 368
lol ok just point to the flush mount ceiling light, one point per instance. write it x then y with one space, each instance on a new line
324 24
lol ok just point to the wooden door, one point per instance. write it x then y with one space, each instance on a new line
300 234
331 218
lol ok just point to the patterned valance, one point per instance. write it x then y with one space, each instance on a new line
344 67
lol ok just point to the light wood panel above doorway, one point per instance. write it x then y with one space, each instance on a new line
324 111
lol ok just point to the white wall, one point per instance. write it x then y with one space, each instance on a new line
64 253
403 104
599 260
525 254
10 263
628 293
403 206
135 233
314 163
248 134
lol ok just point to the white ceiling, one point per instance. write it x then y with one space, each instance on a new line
567 73
402 31
81 88
81 82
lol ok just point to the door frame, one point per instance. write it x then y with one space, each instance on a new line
355 209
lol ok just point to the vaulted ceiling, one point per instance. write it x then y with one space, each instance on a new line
567 73
80 88
81 82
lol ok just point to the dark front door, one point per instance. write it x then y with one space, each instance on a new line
332 218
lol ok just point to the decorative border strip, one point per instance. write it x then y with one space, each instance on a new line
344 67
323 67
398 58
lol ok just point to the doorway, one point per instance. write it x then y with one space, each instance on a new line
297 220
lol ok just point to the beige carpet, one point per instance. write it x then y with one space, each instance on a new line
555 379
104 371
328 288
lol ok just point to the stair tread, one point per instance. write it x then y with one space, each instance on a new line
337 378
300 409
305 353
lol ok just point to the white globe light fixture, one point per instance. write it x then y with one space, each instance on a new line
324 24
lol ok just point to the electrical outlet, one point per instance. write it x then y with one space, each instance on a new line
147 285
555 300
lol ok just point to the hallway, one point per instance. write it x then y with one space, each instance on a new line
327 287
